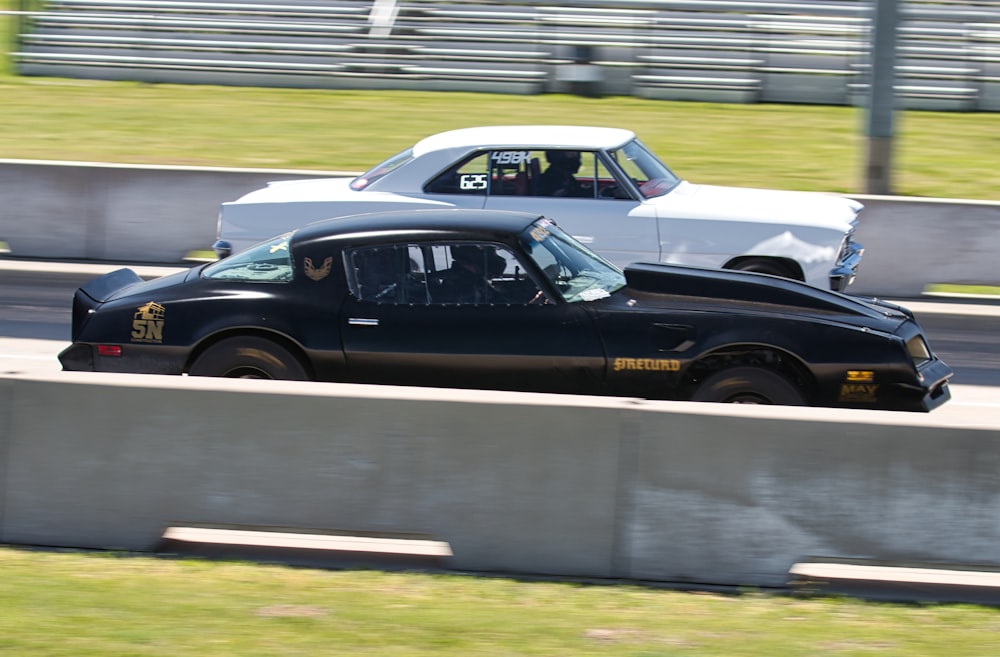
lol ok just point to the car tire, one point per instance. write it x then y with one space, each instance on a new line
764 266
749 385
249 357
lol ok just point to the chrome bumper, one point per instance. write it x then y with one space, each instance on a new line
846 269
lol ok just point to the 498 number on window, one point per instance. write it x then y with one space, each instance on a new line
511 157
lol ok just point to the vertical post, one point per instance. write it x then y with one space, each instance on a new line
881 97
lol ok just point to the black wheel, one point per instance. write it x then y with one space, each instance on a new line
764 266
748 385
249 358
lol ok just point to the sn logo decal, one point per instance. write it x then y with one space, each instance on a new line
147 323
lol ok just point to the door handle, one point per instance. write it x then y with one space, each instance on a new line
361 321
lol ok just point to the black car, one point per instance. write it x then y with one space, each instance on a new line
502 300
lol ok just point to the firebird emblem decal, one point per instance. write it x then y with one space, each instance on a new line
318 273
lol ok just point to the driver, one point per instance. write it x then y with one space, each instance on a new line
466 280
559 179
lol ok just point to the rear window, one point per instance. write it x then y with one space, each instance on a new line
268 262
381 169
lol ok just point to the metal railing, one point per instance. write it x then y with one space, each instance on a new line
809 51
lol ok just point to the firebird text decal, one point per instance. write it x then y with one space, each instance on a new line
147 323
647 364
318 273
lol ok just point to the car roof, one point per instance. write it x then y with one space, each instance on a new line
526 136
445 223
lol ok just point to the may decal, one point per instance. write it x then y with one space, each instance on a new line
147 323
859 387
866 393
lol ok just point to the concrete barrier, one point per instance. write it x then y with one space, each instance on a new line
97 211
517 483
159 214
910 243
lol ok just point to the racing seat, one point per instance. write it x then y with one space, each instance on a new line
521 184
535 174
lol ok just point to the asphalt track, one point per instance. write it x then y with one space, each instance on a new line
35 300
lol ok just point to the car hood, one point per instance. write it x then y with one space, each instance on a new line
748 289
711 202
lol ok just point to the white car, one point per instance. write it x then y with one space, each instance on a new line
602 185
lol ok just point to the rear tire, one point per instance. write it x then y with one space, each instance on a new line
749 385
249 357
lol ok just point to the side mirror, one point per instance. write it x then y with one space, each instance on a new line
223 249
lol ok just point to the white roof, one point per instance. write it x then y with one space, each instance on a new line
526 136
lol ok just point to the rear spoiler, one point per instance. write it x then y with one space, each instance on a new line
95 292
104 287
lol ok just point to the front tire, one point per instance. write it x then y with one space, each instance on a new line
765 266
749 385
249 357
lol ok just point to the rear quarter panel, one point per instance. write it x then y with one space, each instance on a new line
244 224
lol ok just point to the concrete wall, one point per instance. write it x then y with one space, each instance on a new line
529 484
157 215
913 242
117 212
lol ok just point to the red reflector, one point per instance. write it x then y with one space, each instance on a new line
109 350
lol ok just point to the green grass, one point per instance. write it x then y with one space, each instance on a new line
965 290
97 605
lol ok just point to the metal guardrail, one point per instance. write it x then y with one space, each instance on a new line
811 51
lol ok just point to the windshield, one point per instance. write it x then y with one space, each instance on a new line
577 272
649 174
268 262
382 168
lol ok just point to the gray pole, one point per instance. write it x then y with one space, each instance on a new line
881 97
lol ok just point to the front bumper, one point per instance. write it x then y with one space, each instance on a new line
935 376
931 391
846 268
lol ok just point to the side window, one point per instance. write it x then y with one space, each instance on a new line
472 177
478 273
607 185
571 174
513 172
455 273
387 274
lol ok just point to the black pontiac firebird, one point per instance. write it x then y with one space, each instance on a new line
502 300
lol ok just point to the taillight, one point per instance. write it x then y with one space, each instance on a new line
113 350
